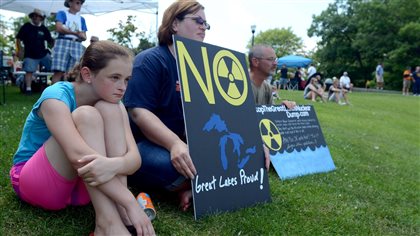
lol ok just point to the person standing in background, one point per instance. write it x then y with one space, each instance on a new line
416 81
34 34
311 70
284 78
71 28
406 81
379 76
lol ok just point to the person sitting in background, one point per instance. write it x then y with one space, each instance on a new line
336 93
314 89
345 82
34 34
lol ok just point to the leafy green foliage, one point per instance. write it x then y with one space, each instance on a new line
375 189
356 35
127 32
284 41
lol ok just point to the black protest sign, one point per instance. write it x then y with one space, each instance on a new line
295 140
221 128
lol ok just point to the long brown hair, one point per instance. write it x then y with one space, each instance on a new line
176 10
97 56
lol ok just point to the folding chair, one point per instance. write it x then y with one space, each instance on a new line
292 85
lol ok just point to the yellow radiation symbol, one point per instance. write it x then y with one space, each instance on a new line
230 78
270 134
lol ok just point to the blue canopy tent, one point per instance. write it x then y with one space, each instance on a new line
293 61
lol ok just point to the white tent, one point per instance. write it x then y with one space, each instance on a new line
94 7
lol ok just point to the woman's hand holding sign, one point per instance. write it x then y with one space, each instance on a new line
181 160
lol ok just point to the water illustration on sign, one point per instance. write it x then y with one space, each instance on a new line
216 123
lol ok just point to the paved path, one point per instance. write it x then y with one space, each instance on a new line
375 90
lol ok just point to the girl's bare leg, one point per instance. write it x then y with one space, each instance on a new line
313 96
115 141
337 97
345 97
92 127
115 136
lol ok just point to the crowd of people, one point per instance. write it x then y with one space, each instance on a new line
123 115
333 90
313 86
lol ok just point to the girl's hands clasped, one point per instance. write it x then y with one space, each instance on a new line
97 169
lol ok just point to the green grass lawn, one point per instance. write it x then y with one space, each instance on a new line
375 190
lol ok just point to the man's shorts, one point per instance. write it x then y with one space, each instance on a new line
379 78
39 184
284 81
66 53
406 83
31 65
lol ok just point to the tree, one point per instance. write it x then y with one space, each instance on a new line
127 33
284 41
357 34
9 31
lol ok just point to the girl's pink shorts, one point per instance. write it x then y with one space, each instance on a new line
39 184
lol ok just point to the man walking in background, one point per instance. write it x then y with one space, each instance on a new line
380 76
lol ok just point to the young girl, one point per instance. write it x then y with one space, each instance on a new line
314 90
77 145
335 93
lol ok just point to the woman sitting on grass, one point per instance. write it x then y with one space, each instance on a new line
314 90
77 145
335 93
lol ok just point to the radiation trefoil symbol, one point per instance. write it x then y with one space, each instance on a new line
230 78
270 134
